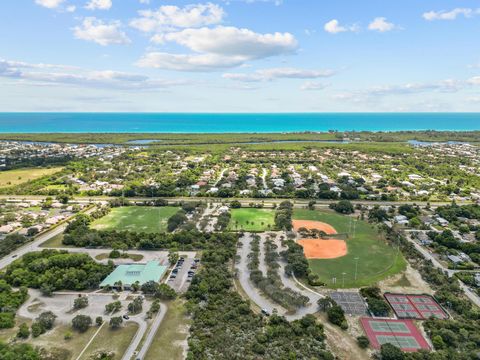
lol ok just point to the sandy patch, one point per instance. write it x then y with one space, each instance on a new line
323 249
309 224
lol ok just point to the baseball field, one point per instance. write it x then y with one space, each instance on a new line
368 258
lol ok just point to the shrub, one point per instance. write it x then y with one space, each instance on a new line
81 322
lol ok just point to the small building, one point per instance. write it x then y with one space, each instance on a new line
130 274
454 259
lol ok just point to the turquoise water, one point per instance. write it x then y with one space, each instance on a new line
220 123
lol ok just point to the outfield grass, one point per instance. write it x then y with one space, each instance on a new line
136 218
377 260
252 219
19 176
172 331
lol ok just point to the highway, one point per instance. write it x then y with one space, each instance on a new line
268 202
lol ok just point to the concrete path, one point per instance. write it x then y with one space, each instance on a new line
142 328
152 332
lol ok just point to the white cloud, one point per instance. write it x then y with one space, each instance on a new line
100 32
170 17
51 4
232 41
334 27
381 24
99 5
184 62
474 80
51 74
219 48
449 15
278 73
313 86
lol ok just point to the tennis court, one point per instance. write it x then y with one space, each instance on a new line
401 333
420 307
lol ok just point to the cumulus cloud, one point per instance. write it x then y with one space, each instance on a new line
218 48
381 24
50 4
334 27
51 74
313 86
99 5
100 32
278 73
170 17
450 15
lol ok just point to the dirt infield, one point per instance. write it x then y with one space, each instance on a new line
310 224
323 249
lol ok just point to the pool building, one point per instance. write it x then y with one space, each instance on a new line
129 274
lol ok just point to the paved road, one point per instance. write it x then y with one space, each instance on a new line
220 177
153 331
32 246
427 255
142 329
244 201
244 278
255 295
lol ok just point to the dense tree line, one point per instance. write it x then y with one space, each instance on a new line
52 270
376 303
453 212
10 301
271 285
283 216
11 243
297 264
224 327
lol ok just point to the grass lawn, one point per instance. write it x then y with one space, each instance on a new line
170 334
136 218
377 260
54 242
112 340
252 219
134 257
19 176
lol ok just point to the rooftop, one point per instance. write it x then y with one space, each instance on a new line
130 274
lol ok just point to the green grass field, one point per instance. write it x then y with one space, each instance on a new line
136 218
252 219
16 177
377 260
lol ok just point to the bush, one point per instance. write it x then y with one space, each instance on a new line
81 322
336 316
99 320
23 331
80 302
363 342
116 322
343 207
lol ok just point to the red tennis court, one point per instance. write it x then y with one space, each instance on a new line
401 333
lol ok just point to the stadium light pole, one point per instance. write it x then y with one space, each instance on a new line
343 279
356 267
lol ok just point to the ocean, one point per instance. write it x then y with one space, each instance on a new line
232 123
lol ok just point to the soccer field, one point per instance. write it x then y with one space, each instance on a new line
136 218
252 219
376 259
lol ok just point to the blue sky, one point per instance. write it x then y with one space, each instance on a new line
239 55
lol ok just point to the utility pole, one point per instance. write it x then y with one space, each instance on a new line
356 267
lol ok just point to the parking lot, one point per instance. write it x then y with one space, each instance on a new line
179 278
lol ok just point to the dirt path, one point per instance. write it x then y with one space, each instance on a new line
341 343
